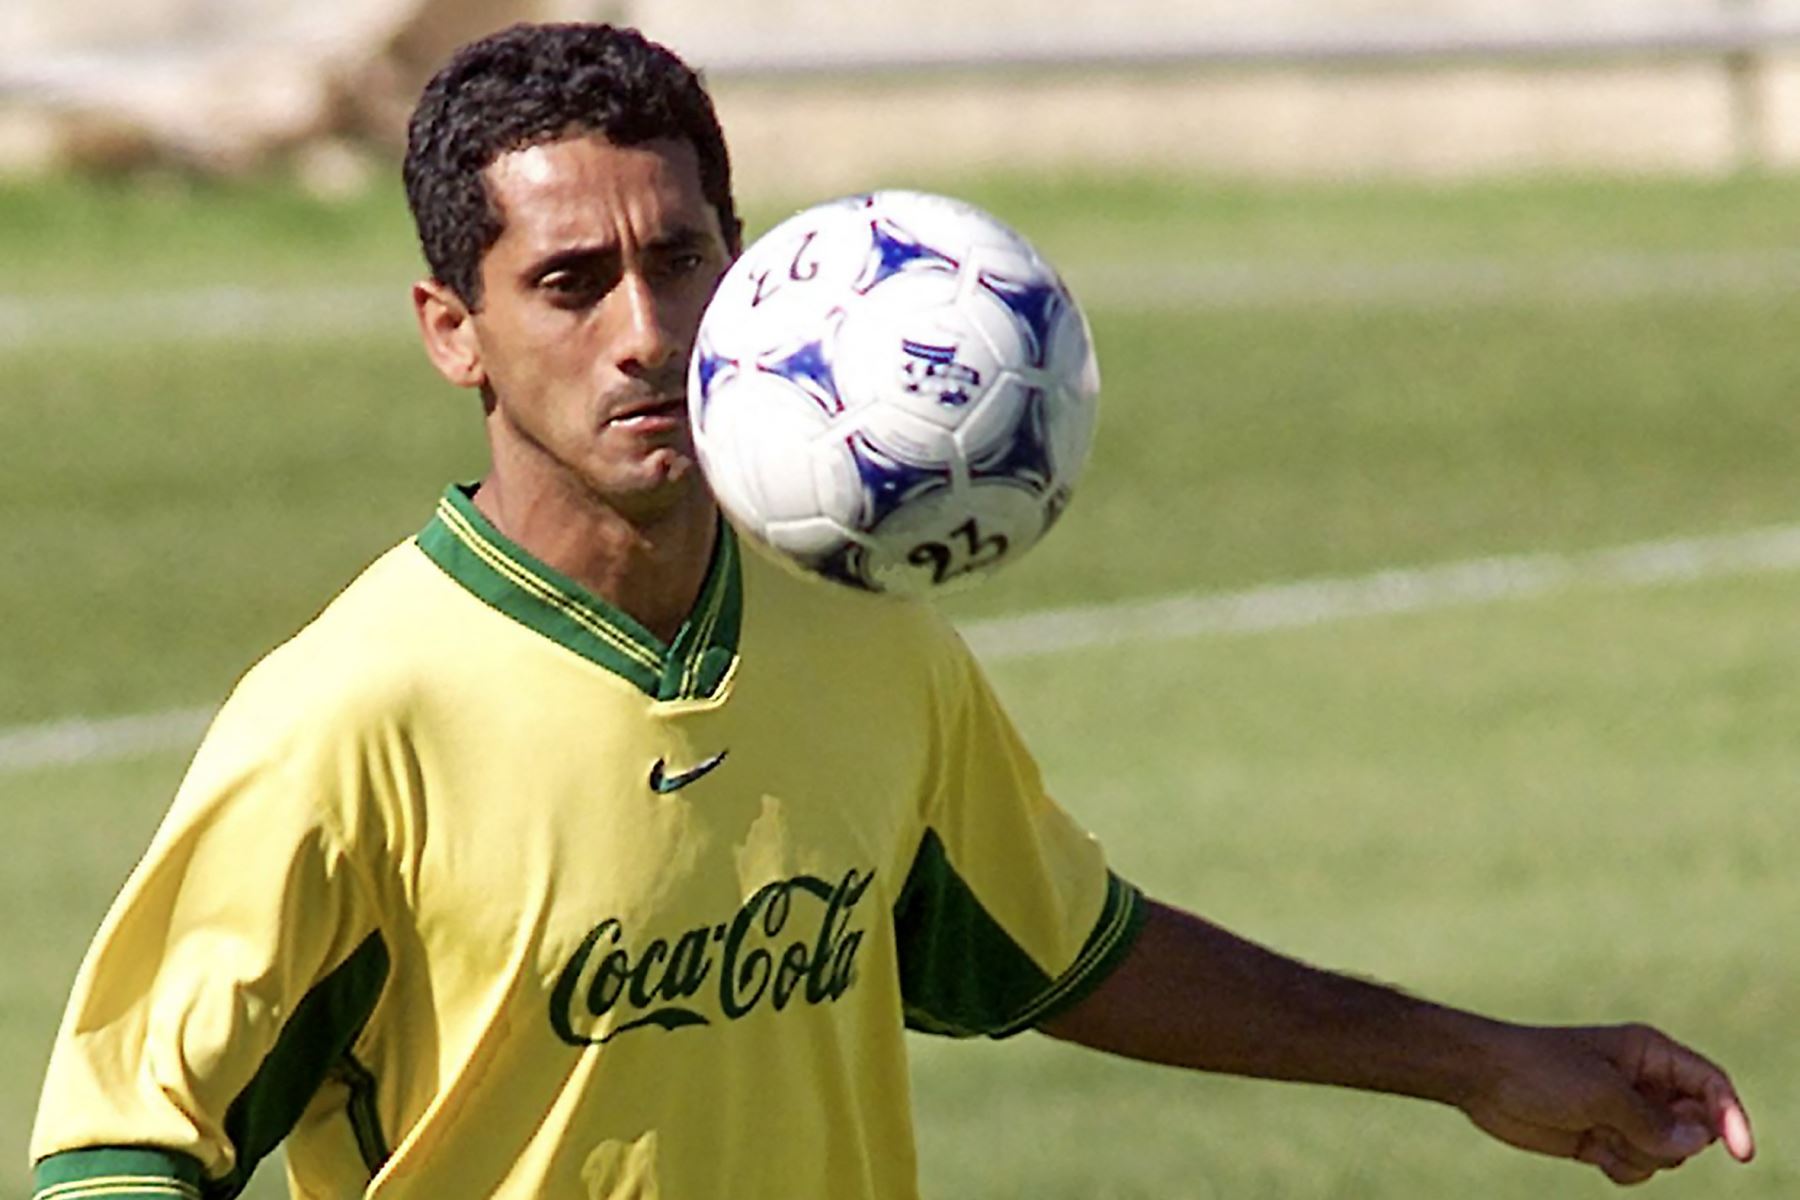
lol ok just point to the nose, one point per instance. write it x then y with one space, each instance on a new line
646 339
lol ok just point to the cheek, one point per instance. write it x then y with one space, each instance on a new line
536 359
688 313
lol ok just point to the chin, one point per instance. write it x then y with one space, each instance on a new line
673 464
659 483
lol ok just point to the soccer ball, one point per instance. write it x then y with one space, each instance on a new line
893 391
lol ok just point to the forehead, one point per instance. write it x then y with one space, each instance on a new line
585 189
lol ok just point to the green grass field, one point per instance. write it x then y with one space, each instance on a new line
1571 808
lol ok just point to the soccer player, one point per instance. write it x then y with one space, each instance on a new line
529 868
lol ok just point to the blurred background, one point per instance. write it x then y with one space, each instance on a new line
1428 610
823 92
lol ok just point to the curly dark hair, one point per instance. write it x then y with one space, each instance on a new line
537 83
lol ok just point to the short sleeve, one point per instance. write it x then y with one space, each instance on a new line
1009 913
233 972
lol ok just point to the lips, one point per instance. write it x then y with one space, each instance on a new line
651 412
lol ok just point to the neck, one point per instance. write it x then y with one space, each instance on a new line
651 566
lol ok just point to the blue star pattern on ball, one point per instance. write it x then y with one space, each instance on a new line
708 367
1039 307
1023 460
808 367
890 482
893 250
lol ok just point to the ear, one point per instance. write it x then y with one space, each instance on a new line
448 329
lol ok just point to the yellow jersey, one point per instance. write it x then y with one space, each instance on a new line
476 888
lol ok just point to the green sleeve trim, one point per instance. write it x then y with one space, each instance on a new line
1121 920
118 1173
314 1044
963 975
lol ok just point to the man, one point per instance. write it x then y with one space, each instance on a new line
522 871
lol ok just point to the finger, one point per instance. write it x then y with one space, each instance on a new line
1624 1152
1648 1129
1679 1079
1624 1175
1727 1118
1686 1073
1594 1150
1733 1124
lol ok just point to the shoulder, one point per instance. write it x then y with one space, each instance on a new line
369 641
316 709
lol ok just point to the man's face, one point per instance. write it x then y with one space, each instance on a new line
590 302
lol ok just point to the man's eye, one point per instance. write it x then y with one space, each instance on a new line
568 283
683 264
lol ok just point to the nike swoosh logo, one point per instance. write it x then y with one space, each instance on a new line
662 784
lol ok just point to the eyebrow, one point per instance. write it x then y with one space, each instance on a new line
686 237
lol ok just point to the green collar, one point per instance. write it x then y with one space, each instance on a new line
478 556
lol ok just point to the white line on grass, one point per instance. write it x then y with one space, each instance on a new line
243 312
999 639
100 739
1315 602
1431 282
201 314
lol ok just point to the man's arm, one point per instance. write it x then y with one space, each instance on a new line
1626 1099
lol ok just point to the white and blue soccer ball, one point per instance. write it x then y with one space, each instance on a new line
893 391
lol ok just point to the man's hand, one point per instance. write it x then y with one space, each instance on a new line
1624 1098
